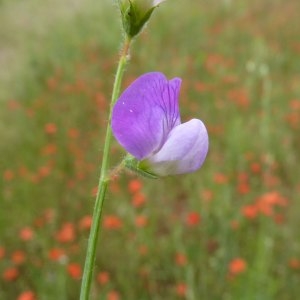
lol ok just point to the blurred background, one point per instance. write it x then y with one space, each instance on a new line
228 231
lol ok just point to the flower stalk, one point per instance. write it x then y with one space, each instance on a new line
103 180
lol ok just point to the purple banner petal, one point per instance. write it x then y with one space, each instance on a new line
145 114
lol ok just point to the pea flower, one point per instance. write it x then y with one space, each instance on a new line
146 122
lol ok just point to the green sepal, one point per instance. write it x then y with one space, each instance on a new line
139 167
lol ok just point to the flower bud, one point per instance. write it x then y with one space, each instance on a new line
135 14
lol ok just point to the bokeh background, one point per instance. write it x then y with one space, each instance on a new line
229 231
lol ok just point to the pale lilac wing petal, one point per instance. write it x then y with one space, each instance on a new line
145 113
184 151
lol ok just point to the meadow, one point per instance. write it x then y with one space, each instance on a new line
229 231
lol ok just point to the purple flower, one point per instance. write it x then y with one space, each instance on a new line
146 122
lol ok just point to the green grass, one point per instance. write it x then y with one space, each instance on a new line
240 69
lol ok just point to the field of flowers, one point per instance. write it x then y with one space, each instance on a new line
229 231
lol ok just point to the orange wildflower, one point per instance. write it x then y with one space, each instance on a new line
293 119
30 112
115 187
216 129
18 257
243 183
250 211
2 252
193 219
207 195
26 234
103 278
274 198
44 171
100 100
266 202
8 175
73 133
50 128
134 186
270 180
143 249
85 222
141 221
46 217
94 191
113 295
230 79
74 270
255 167
220 178
23 171
49 149
49 214
56 254
295 104
52 83
39 222
237 266
112 222
11 274
201 86
243 177
138 199
27 295
66 233
181 289
214 60
13 104
234 224
243 188
294 263
180 259
239 97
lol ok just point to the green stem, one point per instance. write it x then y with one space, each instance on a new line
103 182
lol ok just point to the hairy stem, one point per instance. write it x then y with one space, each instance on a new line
103 181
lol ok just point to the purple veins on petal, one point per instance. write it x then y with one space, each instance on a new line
145 114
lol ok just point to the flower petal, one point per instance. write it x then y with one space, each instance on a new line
184 151
145 114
